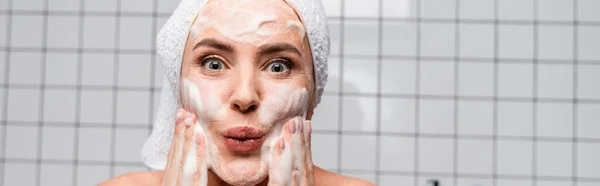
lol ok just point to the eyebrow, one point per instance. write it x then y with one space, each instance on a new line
278 47
213 43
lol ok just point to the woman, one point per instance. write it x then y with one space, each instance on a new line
237 103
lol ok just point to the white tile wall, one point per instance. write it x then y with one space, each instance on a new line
398 115
19 145
56 175
398 76
477 9
587 120
515 41
358 152
26 30
553 10
514 157
587 42
476 40
438 9
437 77
475 117
133 32
435 155
64 5
399 38
99 32
63 31
515 119
28 70
475 157
58 143
358 8
59 106
437 39
4 21
516 9
397 153
61 69
407 129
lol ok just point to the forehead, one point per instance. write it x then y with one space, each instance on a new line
249 21
223 9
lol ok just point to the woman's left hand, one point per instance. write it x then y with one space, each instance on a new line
291 158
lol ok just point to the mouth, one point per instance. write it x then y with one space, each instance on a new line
243 139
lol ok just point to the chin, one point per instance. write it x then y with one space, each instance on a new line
241 171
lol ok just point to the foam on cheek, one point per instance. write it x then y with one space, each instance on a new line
242 21
284 103
193 96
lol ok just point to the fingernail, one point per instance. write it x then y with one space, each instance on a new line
281 143
189 120
292 126
308 126
300 125
179 113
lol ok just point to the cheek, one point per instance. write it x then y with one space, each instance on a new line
282 102
210 107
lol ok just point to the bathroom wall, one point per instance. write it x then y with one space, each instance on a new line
423 93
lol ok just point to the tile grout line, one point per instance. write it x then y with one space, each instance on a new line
153 61
341 89
456 90
575 142
495 102
115 91
417 93
80 36
42 92
7 89
378 99
534 149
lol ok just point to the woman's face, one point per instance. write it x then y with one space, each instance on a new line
253 67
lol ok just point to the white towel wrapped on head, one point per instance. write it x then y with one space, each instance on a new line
170 45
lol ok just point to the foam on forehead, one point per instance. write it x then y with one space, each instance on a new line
248 21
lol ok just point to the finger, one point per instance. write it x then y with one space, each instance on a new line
309 175
176 155
187 143
280 166
201 175
290 128
178 117
308 140
279 146
300 133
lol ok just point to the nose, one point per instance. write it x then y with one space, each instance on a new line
245 97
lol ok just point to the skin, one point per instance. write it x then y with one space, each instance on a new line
245 79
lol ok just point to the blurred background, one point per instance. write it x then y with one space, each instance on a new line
421 92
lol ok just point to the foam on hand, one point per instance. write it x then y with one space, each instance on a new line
192 97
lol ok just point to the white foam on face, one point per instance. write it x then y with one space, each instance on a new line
283 103
192 96
244 21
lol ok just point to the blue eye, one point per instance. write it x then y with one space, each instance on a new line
277 67
213 64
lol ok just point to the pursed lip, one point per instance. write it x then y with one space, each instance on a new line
243 139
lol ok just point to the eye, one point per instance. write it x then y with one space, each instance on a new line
212 64
278 67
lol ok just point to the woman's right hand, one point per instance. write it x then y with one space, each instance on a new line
185 163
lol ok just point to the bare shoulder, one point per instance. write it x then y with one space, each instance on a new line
135 178
324 177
